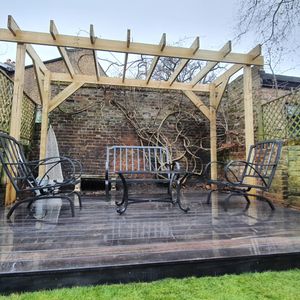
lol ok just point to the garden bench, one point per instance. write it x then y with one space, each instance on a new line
141 164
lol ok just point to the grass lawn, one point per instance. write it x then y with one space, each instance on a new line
267 285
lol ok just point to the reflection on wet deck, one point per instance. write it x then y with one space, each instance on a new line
147 233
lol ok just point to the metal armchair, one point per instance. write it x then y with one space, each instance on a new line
240 177
29 188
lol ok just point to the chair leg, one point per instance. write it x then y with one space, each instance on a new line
209 196
71 203
30 200
79 198
247 198
263 198
178 188
226 201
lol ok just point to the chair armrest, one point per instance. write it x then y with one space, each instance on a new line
73 167
207 168
228 169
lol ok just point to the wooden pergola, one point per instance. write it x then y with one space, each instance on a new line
215 89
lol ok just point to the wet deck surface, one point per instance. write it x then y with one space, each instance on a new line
147 233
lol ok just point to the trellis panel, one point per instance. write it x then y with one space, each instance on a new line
281 117
28 110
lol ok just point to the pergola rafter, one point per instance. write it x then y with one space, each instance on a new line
162 45
194 48
226 49
126 56
62 50
25 39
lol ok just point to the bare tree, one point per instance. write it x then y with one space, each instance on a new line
276 24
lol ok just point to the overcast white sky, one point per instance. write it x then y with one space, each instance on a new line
212 20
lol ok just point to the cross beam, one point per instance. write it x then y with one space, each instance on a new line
40 38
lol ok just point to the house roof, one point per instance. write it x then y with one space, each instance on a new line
281 81
7 67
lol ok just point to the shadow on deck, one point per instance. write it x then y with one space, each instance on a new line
150 241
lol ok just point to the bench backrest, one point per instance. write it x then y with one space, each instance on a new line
137 159
262 162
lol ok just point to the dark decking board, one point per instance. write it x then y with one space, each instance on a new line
150 241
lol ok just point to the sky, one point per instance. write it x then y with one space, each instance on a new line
213 21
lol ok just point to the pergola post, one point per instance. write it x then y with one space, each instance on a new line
213 131
248 109
45 121
16 111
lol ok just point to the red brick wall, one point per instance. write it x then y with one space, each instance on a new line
84 135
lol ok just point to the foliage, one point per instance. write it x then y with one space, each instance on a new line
268 285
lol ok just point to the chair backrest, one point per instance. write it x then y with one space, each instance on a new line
14 163
137 158
262 162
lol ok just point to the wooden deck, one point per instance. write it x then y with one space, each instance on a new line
150 241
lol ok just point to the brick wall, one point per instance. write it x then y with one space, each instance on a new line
293 175
88 121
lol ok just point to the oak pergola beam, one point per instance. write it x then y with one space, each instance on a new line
126 55
225 50
194 48
113 81
213 132
198 103
39 78
92 34
254 54
62 50
93 39
63 95
41 38
35 58
220 92
16 109
16 30
97 68
248 108
45 121
155 59
227 74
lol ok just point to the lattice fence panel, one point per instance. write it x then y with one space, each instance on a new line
6 92
281 117
28 118
28 110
